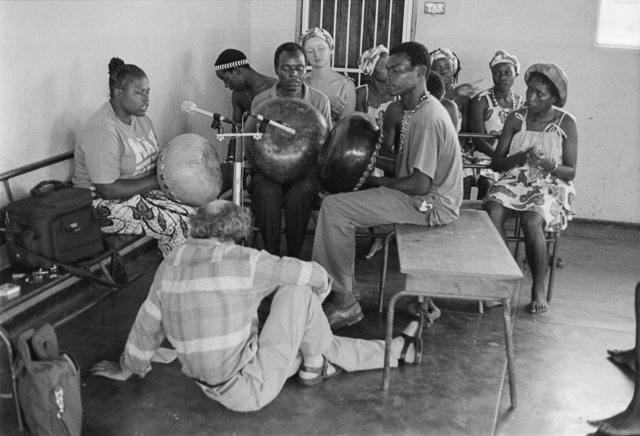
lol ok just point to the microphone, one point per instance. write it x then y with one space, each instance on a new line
264 120
191 108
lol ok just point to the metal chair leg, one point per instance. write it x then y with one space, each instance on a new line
516 234
554 261
14 377
383 270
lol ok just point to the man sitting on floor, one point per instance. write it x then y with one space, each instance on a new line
204 300
296 198
427 189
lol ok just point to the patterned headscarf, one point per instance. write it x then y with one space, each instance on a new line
317 32
504 57
369 58
447 54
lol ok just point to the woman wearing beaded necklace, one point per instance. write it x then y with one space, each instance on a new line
538 151
489 110
319 46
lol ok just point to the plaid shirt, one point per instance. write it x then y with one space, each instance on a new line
204 299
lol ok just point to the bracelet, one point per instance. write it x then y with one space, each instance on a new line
555 167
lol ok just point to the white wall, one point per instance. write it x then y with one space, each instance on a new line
53 73
54 55
604 84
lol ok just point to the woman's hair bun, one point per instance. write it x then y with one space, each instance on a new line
114 64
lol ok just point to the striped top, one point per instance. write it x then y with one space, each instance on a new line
204 299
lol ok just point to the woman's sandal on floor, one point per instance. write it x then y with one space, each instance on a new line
413 340
321 371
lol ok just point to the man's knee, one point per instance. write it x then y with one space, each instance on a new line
305 191
265 193
292 294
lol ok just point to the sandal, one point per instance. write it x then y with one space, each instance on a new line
321 371
415 340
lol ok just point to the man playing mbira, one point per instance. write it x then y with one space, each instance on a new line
296 198
427 189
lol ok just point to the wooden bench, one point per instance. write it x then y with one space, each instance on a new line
36 292
465 259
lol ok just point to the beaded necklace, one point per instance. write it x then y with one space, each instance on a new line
248 96
495 102
405 121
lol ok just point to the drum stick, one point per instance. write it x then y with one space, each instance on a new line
191 108
274 124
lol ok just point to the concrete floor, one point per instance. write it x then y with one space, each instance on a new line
563 377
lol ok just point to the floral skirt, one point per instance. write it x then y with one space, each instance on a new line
149 214
535 190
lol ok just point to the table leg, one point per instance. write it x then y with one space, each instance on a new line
508 332
386 372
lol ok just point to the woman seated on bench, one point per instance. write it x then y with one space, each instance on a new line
115 156
538 151
488 112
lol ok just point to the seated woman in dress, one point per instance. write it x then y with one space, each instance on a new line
115 156
373 98
319 46
537 151
488 111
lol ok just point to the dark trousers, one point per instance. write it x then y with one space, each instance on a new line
269 199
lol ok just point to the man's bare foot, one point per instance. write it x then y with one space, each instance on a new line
626 423
427 307
376 245
538 301
626 357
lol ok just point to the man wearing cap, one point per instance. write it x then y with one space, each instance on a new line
232 67
269 198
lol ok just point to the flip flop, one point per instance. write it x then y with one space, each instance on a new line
321 371
413 340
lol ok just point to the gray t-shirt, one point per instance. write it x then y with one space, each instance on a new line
108 149
431 146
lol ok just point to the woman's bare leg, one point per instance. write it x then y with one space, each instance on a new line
627 422
536 248
499 215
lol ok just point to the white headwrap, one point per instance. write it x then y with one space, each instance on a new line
447 54
369 58
504 57
317 33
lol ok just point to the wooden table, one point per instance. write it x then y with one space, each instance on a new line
466 259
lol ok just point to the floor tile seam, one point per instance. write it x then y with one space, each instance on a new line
632 330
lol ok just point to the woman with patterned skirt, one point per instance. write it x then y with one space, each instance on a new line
489 110
115 156
537 151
